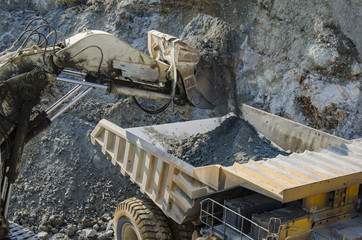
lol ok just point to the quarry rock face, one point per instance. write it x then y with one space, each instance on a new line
302 62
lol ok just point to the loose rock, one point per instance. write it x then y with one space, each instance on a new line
89 233
43 235
233 141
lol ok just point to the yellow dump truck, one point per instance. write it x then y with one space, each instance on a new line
313 193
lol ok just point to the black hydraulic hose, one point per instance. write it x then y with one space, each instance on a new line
23 32
36 29
35 19
157 111
95 46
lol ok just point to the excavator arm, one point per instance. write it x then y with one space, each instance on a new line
104 59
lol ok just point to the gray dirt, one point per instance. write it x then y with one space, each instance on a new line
234 140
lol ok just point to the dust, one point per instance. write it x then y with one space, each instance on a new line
164 141
234 140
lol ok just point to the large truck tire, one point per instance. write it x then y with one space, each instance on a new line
140 219
181 231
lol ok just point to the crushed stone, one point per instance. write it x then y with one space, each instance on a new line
235 140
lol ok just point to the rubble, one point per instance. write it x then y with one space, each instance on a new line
233 141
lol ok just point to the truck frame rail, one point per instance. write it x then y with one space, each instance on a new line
216 218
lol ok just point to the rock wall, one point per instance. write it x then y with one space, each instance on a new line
304 63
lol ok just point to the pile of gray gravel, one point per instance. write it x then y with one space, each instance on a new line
67 188
234 140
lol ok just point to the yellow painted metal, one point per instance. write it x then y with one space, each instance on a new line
166 48
295 227
333 212
290 187
331 220
328 185
323 209
339 198
316 203
351 194
301 228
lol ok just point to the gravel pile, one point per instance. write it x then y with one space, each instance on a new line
234 140
67 188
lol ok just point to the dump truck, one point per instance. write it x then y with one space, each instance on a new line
313 193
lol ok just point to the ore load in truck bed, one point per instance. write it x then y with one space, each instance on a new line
235 140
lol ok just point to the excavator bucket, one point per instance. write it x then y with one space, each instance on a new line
211 87
215 80
206 84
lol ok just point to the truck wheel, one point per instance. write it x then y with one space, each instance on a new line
181 231
138 219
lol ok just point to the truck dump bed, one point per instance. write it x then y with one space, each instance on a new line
325 162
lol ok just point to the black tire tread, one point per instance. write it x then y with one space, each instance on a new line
181 231
146 217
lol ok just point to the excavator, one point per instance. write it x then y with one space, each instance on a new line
41 56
